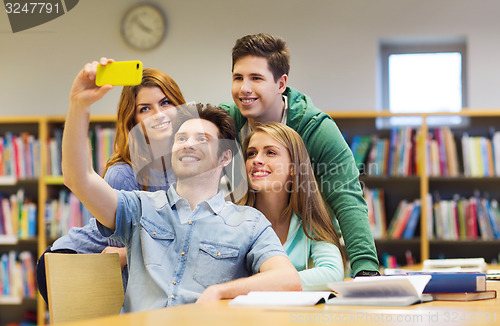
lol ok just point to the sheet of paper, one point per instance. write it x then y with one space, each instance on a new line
282 298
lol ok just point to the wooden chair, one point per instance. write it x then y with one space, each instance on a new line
83 286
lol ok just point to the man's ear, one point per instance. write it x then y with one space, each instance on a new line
282 83
225 158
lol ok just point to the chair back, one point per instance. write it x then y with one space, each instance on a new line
83 286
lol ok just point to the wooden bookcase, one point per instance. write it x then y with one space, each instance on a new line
40 190
397 188
350 123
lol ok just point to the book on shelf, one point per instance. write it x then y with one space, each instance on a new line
63 213
393 156
411 225
381 291
360 146
282 298
18 216
17 276
376 211
496 151
19 155
405 220
101 141
465 218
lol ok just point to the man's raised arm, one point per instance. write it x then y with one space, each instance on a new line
79 176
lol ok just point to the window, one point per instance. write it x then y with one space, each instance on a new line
423 77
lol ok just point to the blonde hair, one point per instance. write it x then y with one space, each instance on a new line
305 199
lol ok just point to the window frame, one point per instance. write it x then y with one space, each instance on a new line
388 48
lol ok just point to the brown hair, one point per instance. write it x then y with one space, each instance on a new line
305 199
272 48
126 110
215 114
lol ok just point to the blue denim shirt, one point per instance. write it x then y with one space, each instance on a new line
175 253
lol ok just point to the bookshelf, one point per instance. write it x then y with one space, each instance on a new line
38 188
396 188
417 186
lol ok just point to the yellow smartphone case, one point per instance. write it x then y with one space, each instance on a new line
119 73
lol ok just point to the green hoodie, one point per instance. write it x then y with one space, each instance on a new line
336 173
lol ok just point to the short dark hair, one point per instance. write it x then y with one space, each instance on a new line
272 48
215 114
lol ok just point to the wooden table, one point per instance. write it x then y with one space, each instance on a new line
436 313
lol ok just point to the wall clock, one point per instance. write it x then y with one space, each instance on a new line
143 27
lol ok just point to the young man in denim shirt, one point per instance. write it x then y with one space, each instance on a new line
186 244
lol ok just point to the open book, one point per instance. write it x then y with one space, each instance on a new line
381 291
282 298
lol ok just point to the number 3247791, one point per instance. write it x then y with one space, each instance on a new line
32 8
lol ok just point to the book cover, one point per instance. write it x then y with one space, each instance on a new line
409 231
462 226
454 282
451 152
482 219
465 154
400 226
495 228
472 228
496 151
396 217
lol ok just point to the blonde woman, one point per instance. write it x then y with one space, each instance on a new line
283 187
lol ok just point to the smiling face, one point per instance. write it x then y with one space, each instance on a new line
254 90
268 164
195 148
155 111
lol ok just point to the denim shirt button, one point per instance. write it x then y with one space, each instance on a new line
182 253
218 254
173 296
154 232
174 282
190 222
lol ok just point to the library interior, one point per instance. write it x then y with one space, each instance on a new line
428 161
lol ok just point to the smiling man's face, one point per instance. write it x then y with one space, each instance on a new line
195 148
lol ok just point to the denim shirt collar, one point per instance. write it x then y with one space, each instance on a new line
213 205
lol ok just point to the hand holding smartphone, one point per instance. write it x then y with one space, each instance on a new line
119 73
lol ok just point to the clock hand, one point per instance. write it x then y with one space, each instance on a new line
143 26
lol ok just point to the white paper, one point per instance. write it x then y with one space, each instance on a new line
281 298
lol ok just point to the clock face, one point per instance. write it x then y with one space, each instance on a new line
143 27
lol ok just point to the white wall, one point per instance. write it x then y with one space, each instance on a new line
333 44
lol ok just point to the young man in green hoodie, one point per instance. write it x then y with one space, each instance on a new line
261 63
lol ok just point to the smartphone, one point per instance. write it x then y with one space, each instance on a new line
119 73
